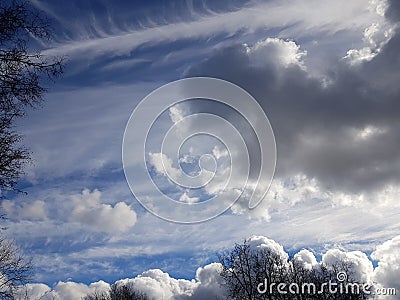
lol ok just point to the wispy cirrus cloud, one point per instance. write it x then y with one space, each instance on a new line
286 18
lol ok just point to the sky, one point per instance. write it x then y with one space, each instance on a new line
326 75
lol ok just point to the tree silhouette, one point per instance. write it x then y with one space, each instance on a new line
118 292
23 72
15 270
260 273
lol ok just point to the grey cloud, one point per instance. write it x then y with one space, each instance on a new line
343 131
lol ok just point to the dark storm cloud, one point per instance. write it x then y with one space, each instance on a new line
344 133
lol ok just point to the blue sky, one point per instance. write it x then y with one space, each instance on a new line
324 73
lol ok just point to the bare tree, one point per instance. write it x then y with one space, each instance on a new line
118 292
23 72
98 296
245 268
15 270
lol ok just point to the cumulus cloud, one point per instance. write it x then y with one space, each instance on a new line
154 283
159 285
62 290
361 266
262 242
306 258
208 284
374 37
387 273
87 209
275 51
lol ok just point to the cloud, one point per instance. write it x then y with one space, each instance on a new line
306 258
34 290
78 130
275 51
375 37
186 198
176 113
85 208
62 290
338 130
35 210
163 164
88 210
279 15
208 284
73 290
262 242
157 284
361 267
387 273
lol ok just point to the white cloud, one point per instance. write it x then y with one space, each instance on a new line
186 198
357 56
387 273
209 283
262 242
62 290
72 290
274 50
379 6
34 290
157 284
163 164
35 210
309 16
306 258
283 194
87 209
361 267
176 113
375 36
